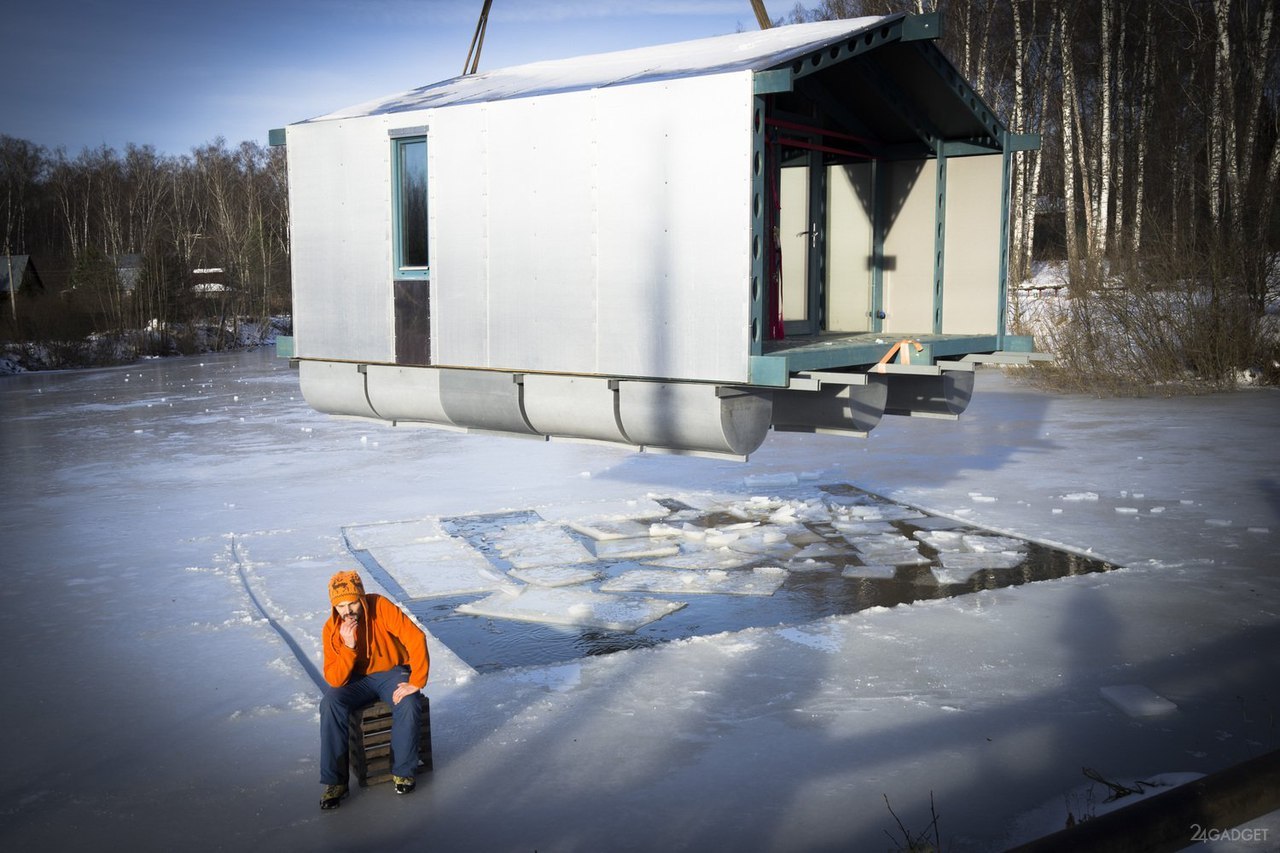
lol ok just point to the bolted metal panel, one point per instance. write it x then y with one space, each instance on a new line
335 388
573 406
908 268
675 210
694 417
340 226
834 408
484 399
945 396
406 394
975 246
596 232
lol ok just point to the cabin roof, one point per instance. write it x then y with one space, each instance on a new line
755 51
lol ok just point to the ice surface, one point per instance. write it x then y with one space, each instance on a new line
881 512
573 607
586 512
889 548
989 542
763 580
862 528
366 536
109 525
934 522
808 565
709 558
552 576
438 567
820 549
537 543
634 549
611 528
1137 700
973 561
770 541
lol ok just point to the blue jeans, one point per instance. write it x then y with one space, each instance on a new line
338 702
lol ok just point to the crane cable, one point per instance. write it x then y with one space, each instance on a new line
762 17
477 41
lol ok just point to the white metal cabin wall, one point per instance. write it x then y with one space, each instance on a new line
675 228
340 224
908 247
600 232
971 272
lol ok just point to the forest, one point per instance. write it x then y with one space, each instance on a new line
1152 197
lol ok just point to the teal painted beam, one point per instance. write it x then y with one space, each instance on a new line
769 82
922 27
771 370
939 235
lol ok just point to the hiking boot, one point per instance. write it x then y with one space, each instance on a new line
332 796
404 784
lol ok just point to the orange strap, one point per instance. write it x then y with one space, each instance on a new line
906 353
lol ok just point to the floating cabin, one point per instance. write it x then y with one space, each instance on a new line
675 248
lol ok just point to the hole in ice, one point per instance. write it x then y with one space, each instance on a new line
517 588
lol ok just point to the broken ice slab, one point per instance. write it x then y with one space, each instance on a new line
933 522
537 543
709 558
1137 700
820 549
889 550
771 541
906 557
364 537
973 561
573 607
611 528
808 565
764 580
552 576
881 512
985 542
941 540
586 512
634 549
440 567
862 528
869 571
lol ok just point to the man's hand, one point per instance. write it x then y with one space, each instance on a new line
347 631
403 690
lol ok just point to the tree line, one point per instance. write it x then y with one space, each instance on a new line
1156 180
144 241
1157 176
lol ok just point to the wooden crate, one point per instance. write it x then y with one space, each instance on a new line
369 741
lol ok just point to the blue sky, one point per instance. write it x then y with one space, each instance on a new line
176 74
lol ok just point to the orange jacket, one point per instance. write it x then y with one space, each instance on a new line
386 638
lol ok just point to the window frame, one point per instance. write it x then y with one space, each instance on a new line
400 140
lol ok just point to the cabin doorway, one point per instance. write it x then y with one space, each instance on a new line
825 232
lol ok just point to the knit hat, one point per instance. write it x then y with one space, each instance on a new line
345 586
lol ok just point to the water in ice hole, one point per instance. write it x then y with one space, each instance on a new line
489 644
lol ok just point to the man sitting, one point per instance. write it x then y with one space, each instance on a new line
372 651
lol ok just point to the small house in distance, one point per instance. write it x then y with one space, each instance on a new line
18 275
676 248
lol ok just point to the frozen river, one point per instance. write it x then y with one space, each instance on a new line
152 703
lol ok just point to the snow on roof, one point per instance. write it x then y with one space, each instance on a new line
756 51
